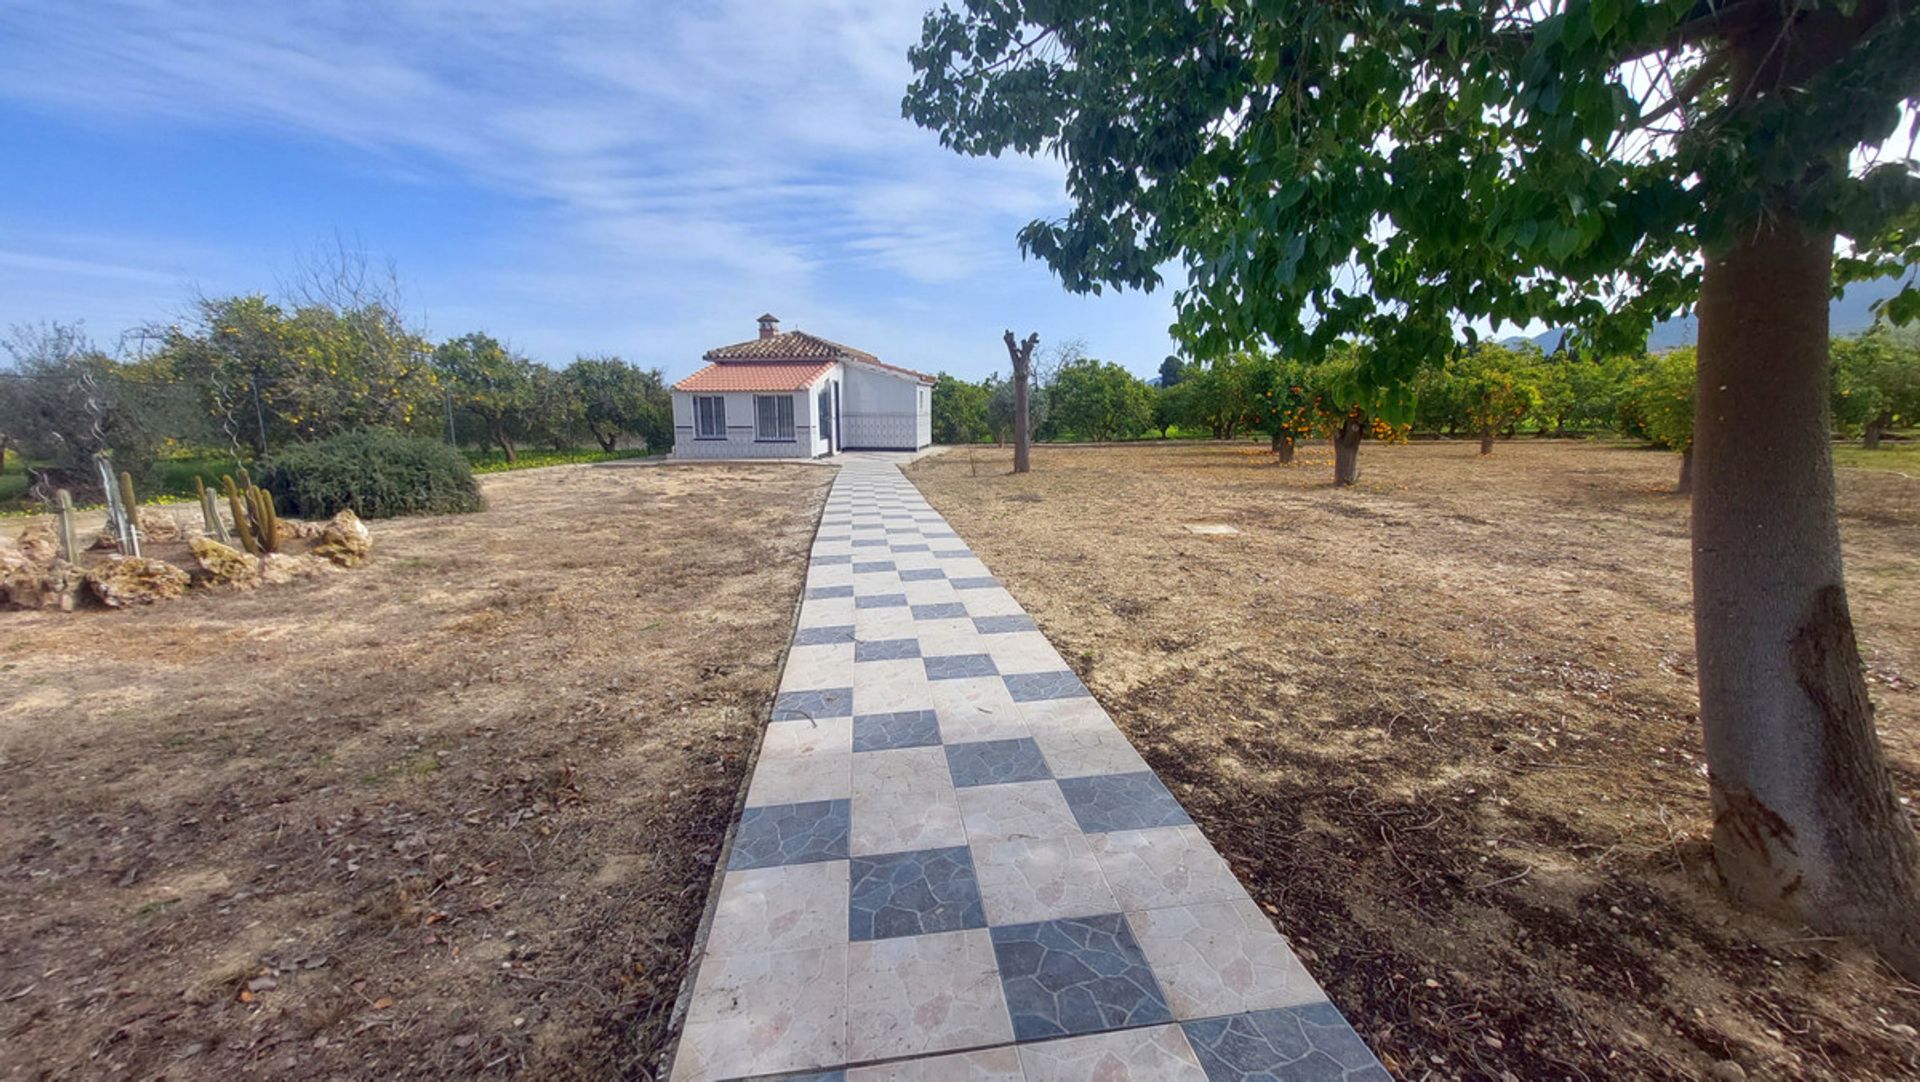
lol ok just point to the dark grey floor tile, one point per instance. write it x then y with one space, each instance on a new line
1284 1045
907 729
996 625
921 574
777 834
886 649
1106 802
1032 687
940 610
996 762
881 601
868 542
951 554
898 894
810 1076
868 567
818 593
982 582
830 561
919 546
1083 975
813 705
823 636
960 666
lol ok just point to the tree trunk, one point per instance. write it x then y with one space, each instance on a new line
1346 449
1283 446
1876 428
504 442
1806 824
1021 355
607 441
1684 486
1486 441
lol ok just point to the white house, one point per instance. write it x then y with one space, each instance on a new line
790 394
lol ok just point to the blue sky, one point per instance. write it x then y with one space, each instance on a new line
586 177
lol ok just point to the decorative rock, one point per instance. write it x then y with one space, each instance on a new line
225 565
136 580
345 540
39 544
24 585
293 529
281 567
156 525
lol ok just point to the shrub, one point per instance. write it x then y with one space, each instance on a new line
375 473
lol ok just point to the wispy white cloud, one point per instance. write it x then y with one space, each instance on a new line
674 169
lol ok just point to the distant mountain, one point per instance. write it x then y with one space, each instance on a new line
1850 314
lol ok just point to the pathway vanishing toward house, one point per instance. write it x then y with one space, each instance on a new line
953 866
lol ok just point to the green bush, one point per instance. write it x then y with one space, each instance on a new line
375 473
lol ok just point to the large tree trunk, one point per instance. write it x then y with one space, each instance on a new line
1346 449
503 441
1806 823
1486 441
1021 356
1870 434
1283 446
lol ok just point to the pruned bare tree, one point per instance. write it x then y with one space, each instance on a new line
1020 353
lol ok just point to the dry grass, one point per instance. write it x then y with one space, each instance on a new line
1443 724
452 814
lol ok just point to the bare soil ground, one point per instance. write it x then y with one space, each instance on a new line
1444 726
452 814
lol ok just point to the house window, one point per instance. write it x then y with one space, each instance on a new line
773 417
709 417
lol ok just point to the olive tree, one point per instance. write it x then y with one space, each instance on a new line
1404 172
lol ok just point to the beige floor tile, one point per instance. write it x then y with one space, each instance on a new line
928 592
926 993
988 1065
824 775
826 612
1023 651
976 708
903 800
1040 879
947 637
1155 1054
1221 958
889 687
812 667
1151 869
1023 810
778 909
875 624
807 737
1078 741
990 602
829 574
761 1013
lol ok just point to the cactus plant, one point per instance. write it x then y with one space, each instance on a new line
210 511
254 518
69 537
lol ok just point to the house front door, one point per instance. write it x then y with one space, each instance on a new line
826 418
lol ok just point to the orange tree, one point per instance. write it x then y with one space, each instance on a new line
1281 403
1400 172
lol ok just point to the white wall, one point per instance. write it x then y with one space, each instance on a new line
883 411
740 442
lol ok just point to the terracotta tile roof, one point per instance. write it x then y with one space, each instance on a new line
787 346
801 346
770 377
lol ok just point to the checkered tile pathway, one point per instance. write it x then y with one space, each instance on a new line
953 866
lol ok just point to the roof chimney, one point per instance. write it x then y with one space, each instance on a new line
769 326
